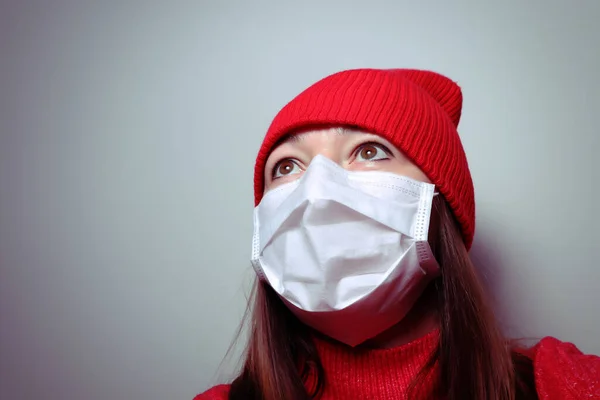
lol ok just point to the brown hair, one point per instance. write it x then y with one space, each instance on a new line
473 360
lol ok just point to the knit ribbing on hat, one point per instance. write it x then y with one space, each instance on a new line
417 111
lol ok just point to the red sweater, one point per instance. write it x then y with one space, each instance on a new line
561 371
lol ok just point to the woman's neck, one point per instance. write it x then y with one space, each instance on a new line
420 320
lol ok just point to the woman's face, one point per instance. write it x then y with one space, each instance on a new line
353 150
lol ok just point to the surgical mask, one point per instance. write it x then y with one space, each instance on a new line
346 251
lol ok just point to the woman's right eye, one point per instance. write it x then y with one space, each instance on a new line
285 167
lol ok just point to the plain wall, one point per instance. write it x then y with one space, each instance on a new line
128 136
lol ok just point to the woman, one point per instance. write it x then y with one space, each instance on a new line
364 216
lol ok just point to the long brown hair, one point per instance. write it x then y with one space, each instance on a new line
473 360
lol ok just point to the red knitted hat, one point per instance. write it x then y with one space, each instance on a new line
418 111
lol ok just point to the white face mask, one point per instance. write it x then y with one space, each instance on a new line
346 251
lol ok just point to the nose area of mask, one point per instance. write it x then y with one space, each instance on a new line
324 167
320 171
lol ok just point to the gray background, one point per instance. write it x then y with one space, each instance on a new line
128 136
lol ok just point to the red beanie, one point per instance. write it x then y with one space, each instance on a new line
418 111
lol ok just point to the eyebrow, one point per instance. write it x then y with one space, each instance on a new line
298 137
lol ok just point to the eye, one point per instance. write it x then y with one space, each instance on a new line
371 152
285 167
